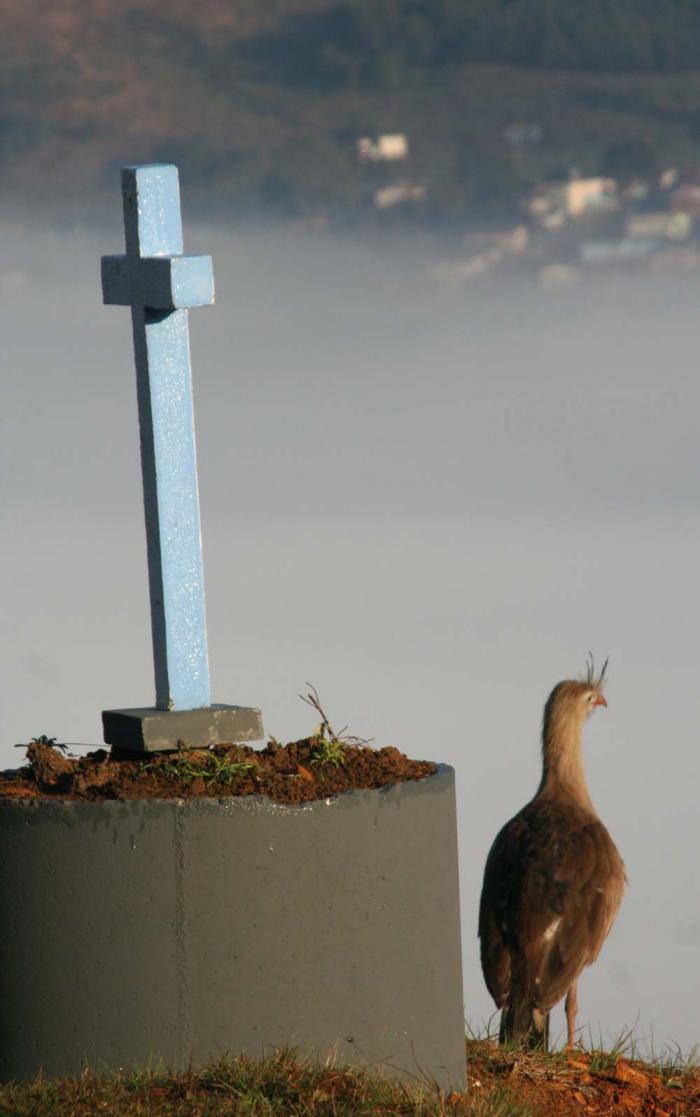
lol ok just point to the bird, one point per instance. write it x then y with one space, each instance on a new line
553 881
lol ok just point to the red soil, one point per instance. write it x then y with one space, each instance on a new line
292 773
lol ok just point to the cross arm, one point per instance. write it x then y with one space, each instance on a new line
158 282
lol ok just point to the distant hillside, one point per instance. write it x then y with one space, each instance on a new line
377 41
261 103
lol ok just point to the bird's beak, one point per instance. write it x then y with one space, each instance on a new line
600 701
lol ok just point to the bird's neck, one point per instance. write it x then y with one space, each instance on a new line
562 762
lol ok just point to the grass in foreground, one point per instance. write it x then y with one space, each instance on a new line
277 1084
502 1082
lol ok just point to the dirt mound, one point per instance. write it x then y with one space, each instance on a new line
313 768
565 1084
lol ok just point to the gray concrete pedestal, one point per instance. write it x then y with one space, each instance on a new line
147 729
176 930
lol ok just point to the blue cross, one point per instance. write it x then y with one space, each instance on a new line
159 283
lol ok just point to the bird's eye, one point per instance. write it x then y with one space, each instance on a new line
591 697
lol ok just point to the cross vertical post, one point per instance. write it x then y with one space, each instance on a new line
160 284
154 247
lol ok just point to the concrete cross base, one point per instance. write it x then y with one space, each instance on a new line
150 730
177 930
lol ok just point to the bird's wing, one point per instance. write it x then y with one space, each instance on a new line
552 887
572 890
585 880
501 877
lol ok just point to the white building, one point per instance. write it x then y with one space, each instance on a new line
401 192
575 198
388 148
659 226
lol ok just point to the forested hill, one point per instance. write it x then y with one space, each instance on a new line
375 41
261 101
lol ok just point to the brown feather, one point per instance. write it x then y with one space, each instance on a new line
553 880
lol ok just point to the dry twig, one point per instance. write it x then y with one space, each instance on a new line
313 700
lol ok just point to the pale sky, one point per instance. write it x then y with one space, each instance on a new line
430 503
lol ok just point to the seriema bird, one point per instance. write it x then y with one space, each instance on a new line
553 881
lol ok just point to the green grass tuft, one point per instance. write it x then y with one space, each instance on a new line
279 1085
506 1081
211 769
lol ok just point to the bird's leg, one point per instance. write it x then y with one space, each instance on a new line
539 1032
570 1008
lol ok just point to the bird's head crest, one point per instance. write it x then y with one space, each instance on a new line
591 679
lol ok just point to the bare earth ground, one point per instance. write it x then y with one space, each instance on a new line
314 768
501 1083
579 1082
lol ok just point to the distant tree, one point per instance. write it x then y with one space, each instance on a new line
630 160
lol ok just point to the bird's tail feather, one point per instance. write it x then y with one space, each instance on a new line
523 1023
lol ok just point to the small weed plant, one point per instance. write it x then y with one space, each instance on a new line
42 739
213 768
329 746
327 750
